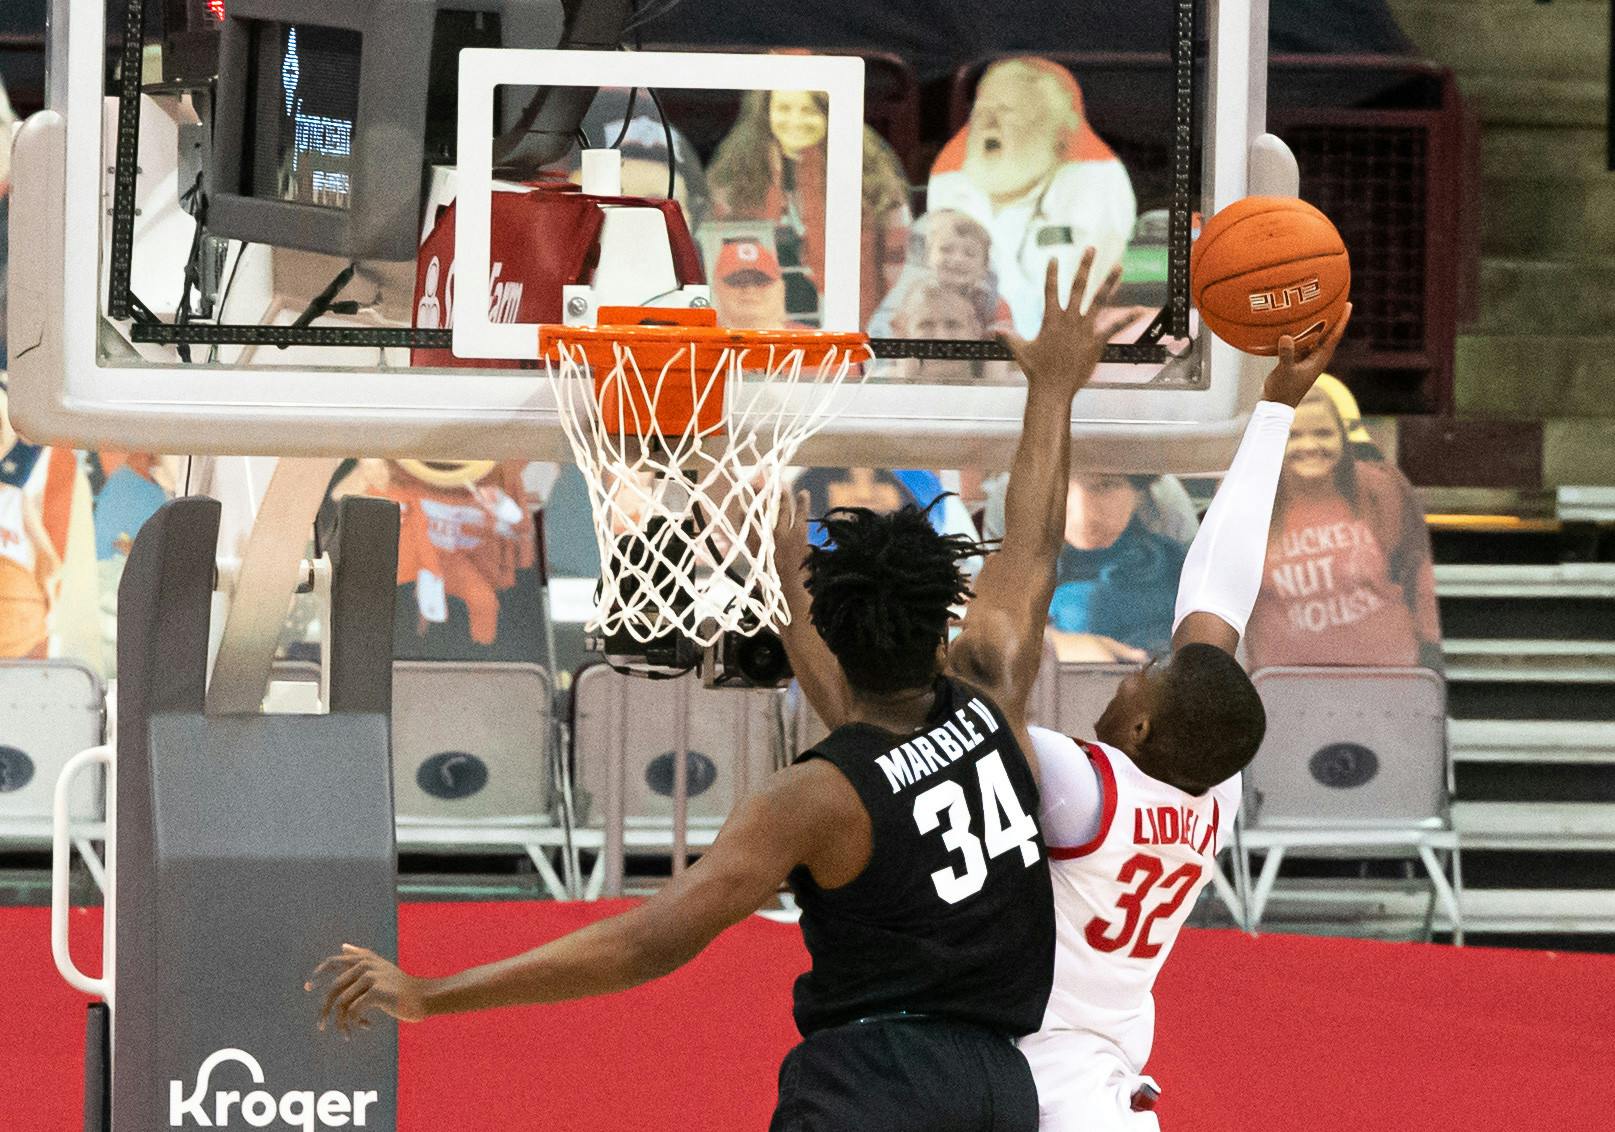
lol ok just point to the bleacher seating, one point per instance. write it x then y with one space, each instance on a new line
1532 676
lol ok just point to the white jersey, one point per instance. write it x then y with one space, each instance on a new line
15 544
22 487
1121 897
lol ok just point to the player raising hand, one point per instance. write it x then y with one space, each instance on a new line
1134 820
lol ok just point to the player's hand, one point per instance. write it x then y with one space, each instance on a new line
791 541
1069 343
1293 377
359 982
1068 347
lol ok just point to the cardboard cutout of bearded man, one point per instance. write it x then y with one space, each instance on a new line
1031 170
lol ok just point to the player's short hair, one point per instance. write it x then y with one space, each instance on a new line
883 591
1208 720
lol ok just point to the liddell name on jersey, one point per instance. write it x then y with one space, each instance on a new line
1174 825
926 754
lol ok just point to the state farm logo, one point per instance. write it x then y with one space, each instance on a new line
296 1108
431 312
504 298
1283 298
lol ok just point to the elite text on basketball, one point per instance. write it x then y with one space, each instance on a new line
1283 298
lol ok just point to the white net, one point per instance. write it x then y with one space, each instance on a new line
686 466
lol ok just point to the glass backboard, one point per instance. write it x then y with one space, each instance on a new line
363 282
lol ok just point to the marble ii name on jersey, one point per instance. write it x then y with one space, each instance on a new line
912 761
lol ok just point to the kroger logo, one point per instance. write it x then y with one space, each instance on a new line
298 1108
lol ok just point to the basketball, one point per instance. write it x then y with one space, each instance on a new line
1265 267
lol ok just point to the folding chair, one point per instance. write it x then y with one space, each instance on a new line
473 764
660 763
1354 758
50 710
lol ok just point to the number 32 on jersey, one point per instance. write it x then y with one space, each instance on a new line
1142 874
1007 827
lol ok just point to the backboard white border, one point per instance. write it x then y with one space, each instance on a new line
483 70
63 390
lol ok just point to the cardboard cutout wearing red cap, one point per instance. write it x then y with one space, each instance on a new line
748 287
746 257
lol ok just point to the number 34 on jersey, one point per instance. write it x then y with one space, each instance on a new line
1008 827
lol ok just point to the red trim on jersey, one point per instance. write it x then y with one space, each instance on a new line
1107 788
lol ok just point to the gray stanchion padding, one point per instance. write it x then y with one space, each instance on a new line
248 848
97 1095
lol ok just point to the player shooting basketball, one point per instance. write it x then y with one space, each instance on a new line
931 946
1134 821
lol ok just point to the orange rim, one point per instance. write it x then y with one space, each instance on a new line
657 336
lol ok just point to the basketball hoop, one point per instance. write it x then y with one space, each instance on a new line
683 430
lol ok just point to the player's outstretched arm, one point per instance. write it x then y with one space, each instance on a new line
806 812
818 673
1222 573
1001 645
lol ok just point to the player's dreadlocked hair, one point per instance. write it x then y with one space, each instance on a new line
883 589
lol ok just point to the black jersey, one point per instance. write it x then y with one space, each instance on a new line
953 916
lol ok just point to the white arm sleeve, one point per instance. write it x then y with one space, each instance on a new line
1073 799
1223 571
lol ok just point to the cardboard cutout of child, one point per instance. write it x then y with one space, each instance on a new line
1030 169
930 308
954 250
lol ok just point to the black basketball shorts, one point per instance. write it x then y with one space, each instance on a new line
924 1075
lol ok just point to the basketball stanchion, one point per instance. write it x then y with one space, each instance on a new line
244 843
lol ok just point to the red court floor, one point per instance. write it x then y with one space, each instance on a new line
1277 1034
